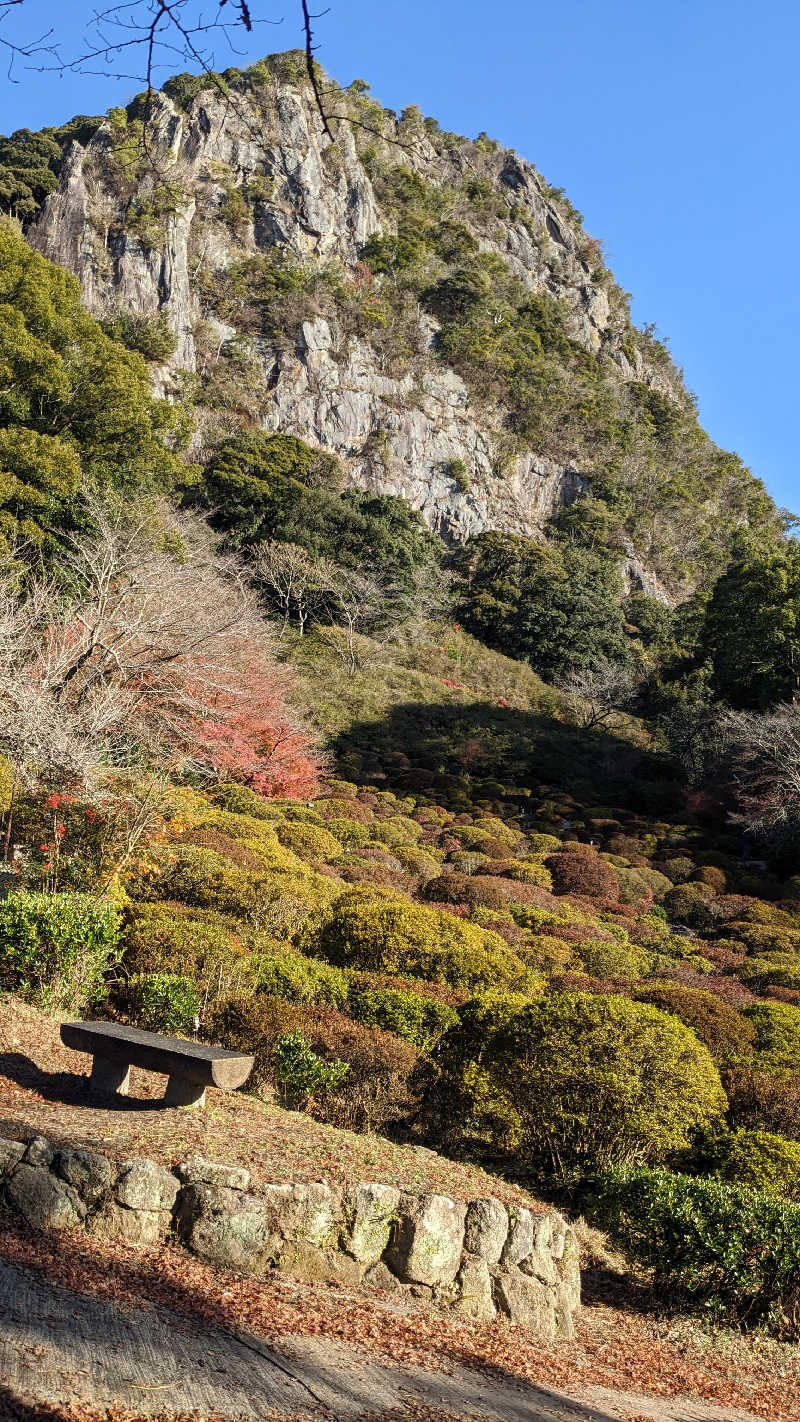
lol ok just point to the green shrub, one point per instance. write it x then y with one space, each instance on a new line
548 954
689 904
678 870
419 863
777 1029
763 938
56 948
301 1074
149 335
377 932
531 870
419 1020
761 973
396 830
310 842
543 844
467 1102
613 960
764 1100
348 831
292 976
163 1002
241 801
598 1080
727 1250
763 1161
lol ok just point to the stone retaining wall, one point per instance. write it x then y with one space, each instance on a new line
478 1258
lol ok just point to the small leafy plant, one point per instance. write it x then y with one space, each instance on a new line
301 1073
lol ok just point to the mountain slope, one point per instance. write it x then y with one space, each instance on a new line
426 307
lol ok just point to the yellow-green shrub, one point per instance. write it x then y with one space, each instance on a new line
598 1080
763 1161
379 932
312 843
350 833
612 960
419 1020
420 863
531 870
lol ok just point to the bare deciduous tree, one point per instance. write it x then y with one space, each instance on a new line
286 575
762 757
355 605
598 693
113 666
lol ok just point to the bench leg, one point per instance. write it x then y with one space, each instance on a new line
112 1078
181 1091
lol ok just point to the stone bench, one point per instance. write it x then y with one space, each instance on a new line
190 1066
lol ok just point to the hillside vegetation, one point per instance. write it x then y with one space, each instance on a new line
472 846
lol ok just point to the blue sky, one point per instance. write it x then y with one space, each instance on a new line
674 128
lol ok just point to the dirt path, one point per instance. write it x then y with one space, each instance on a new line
56 1345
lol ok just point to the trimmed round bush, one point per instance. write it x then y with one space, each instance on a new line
543 843
583 873
296 978
56 948
313 843
598 1080
678 870
417 1019
727 1250
763 1161
548 954
777 1031
765 1100
612 960
689 904
714 877
377 932
163 1002
531 870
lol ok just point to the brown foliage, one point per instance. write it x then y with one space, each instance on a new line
583 873
225 845
719 1026
762 1100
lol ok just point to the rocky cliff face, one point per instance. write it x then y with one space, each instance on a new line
264 157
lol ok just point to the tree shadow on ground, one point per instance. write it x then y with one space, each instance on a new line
122 1278
69 1088
483 750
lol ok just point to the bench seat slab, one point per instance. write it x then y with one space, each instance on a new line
170 1056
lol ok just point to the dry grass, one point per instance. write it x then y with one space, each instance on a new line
44 1090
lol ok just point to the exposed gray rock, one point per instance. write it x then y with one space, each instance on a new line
371 1210
88 1173
324 1266
228 1227
397 430
39 1152
486 1229
308 1212
526 1301
11 1153
520 1236
474 1290
428 1241
43 1201
199 1171
114 1221
143 1185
